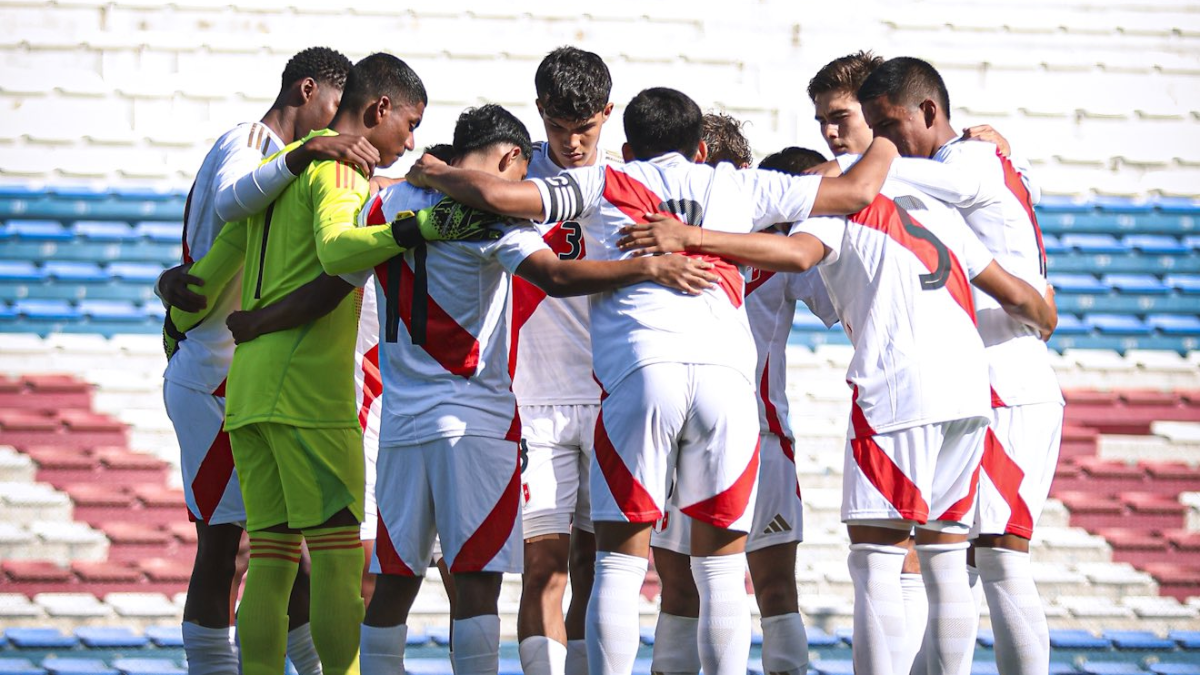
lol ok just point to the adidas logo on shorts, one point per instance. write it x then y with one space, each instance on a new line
778 524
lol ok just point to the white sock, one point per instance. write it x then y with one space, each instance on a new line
542 656
676 646
612 629
916 614
209 650
878 608
577 663
381 649
302 651
477 645
953 613
785 645
724 635
976 585
1018 620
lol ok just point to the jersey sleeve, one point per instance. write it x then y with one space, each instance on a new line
975 256
809 288
338 194
571 194
245 183
516 245
830 230
779 197
217 268
953 183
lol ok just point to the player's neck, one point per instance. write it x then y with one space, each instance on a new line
349 123
945 134
591 161
282 122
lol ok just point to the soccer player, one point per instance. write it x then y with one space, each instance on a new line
551 358
290 411
898 275
906 100
726 142
232 185
450 455
777 526
676 371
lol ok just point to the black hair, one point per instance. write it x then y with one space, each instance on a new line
572 84
382 75
661 120
488 125
443 151
322 64
793 160
726 143
906 81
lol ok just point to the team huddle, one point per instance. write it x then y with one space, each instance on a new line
549 359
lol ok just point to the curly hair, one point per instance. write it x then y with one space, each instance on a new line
322 64
572 84
725 140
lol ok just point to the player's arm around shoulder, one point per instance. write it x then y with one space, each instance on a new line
479 189
855 189
1020 300
662 233
216 269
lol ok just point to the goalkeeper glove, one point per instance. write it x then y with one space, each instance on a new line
172 336
447 220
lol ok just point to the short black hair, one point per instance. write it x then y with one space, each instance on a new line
906 81
382 75
793 160
726 143
661 120
443 151
572 84
488 125
322 64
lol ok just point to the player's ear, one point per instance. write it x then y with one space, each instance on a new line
508 158
608 108
929 111
627 152
701 152
381 109
307 89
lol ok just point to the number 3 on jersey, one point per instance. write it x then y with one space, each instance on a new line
566 240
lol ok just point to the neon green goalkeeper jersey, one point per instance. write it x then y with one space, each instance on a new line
302 376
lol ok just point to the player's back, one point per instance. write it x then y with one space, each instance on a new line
903 293
454 380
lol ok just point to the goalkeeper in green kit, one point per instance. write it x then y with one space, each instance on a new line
290 406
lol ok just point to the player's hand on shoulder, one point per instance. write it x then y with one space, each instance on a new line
681 272
244 325
985 132
173 288
418 174
348 148
661 233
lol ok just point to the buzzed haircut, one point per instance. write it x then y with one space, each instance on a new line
322 64
443 151
906 81
793 160
489 125
661 120
726 143
845 74
382 75
572 84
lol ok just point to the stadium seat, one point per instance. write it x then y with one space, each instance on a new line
819 639
77 666
1117 324
13 666
1174 668
104 231
110 637
1156 244
140 273
40 638
111 310
1093 243
1077 283
1069 324
1143 284
1184 283
75 272
14 271
47 310
148 666
38 230
1073 638
165 636
160 232
833 667
1186 639
1111 668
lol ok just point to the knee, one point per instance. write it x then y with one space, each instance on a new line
478 594
545 568
776 596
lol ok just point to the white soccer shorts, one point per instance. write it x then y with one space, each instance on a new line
920 474
1019 459
210 483
466 489
556 452
695 423
778 512
366 531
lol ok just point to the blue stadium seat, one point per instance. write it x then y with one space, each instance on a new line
510 667
1093 243
135 272
1171 324
985 638
832 667
38 230
21 190
845 635
1143 284
111 310
146 193
79 192
47 310
165 636
110 637
1062 204
1076 638
105 231
1069 324
440 635
72 666
1138 639
1184 283
1060 668
1181 205
1111 303
1052 245
984 668
19 667
646 635
1186 639
1156 243
1077 283
76 272
1192 241
807 321
427 667
818 638
160 232
1108 204
756 639
148 666
1111 668
17 271
1117 324
416 638
1174 668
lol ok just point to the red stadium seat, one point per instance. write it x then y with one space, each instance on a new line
98 504
1179 581
110 577
1137 546
1151 511
131 542
1186 544
89 429
35 576
121 467
1068 477
1078 441
1172 478
60 392
166 575
1109 478
21 429
1093 511
184 533
61 467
